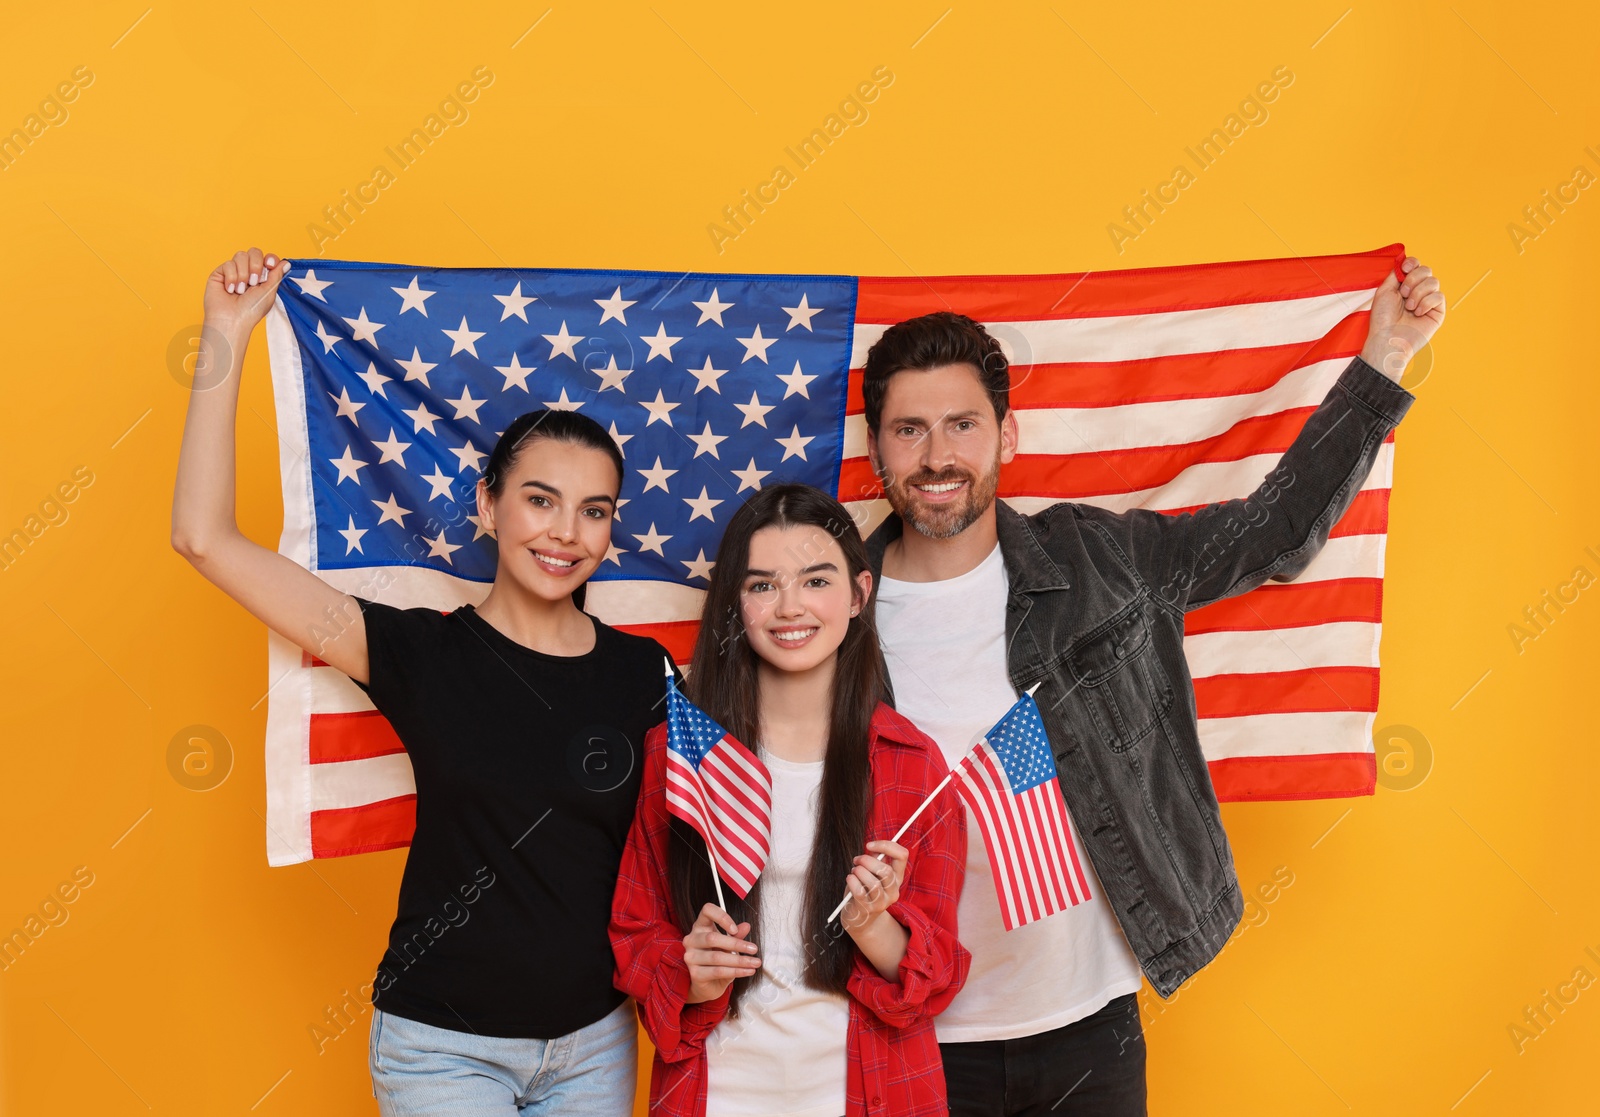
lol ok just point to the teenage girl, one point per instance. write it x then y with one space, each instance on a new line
495 994
768 1007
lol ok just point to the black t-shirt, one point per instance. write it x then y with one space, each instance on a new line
527 770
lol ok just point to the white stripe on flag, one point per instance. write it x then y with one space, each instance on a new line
1137 337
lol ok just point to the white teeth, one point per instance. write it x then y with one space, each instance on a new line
794 637
554 561
940 488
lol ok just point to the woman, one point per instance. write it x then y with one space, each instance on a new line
495 993
769 1007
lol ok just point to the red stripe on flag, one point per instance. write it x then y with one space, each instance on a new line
677 637
1076 476
1291 606
1055 877
1333 775
1006 804
727 792
1368 514
1180 376
386 824
352 736
972 786
990 298
1313 690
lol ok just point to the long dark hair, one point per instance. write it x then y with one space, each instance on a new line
723 683
557 426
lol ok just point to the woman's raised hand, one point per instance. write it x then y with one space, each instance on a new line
716 952
240 291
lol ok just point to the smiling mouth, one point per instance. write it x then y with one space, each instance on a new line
795 635
939 487
554 563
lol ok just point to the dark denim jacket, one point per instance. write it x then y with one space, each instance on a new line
1096 617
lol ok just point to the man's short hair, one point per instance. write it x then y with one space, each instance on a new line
940 338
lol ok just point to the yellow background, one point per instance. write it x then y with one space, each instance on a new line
1420 923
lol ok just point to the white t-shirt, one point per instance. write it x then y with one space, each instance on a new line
784 1055
945 643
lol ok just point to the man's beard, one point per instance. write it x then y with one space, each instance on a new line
943 521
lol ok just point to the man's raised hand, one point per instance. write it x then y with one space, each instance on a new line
1405 316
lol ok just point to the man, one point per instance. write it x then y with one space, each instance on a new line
978 602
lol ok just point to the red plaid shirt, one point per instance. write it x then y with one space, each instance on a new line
894 1064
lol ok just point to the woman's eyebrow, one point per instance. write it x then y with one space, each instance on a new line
553 491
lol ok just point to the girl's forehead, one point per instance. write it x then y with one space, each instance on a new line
794 547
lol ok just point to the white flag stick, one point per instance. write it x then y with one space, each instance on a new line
711 855
932 795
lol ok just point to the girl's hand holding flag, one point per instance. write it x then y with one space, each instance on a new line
715 958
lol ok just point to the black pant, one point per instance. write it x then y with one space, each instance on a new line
1091 1066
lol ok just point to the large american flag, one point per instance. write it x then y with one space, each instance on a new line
1163 388
721 789
1009 781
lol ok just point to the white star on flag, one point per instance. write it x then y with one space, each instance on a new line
349 467
416 368
312 286
660 345
795 383
711 310
515 303
438 548
698 566
352 536
750 477
706 443
794 445
363 330
469 456
614 307
438 481
562 342
466 406
656 477
611 376
756 346
514 373
392 511
375 380
801 315
393 450
422 418
701 506
347 406
660 410
413 297
463 338
754 411
707 377
328 340
652 541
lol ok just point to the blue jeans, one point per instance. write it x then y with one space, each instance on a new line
419 1070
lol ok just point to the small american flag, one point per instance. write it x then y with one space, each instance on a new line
720 788
1158 388
1009 781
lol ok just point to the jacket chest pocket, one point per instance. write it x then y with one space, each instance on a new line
1121 678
